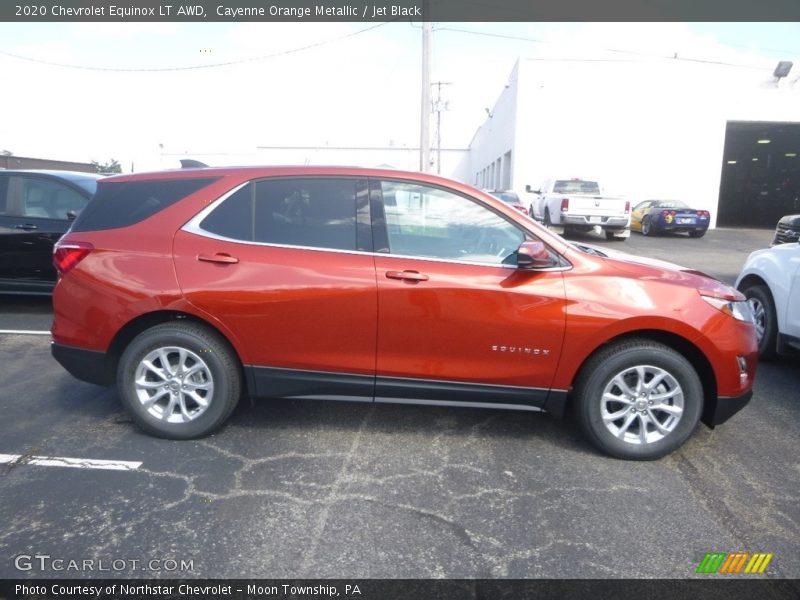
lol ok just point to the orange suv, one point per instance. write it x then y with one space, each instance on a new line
193 288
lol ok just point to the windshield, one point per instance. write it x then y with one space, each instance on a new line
576 186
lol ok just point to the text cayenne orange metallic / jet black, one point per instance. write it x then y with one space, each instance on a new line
193 288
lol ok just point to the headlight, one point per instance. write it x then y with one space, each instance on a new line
739 310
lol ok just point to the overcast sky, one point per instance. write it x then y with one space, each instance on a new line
134 92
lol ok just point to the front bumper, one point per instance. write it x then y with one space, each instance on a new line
724 408
86 365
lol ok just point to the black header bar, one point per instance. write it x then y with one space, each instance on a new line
739 588
387 10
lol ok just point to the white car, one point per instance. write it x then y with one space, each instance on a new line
770 279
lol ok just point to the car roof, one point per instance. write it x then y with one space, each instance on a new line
250 172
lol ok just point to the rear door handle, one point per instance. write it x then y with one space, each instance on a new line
220 257
27 227
412 276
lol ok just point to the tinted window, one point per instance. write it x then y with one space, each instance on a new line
576 186
317 213
234 217
119 204
508 197
430 222
47 199
671 204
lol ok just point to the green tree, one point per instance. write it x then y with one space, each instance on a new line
112 166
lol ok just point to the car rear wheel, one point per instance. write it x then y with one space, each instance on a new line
646 227
763 307
638 400
179 380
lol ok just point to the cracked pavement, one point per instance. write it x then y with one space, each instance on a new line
318 490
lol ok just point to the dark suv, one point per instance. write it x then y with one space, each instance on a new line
787 230
192 288
36 208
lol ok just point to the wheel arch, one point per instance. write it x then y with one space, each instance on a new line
680 344
753 279
148 320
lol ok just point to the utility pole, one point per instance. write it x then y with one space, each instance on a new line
439 108
425 105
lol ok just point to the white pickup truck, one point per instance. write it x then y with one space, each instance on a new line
577 204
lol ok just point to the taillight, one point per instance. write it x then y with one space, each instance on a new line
564 204
703 214
67 255
627 207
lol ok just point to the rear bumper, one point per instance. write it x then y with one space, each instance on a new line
682 227
725 408
86 365
584 221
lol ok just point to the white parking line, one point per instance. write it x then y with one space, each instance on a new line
25 331
74 463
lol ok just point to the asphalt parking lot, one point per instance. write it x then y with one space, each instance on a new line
309 489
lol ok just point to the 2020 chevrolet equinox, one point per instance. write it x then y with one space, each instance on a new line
193 288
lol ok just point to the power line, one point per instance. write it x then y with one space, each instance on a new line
197 67
613 50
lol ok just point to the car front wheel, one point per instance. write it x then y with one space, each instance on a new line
179 380
638 400
763 307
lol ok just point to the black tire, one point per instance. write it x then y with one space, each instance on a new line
597 380
547 222
612 237
646 226
697 233
212 374
763 306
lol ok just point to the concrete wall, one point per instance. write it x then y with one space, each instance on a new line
494 140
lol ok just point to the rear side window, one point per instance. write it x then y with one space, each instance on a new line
119 204
313 212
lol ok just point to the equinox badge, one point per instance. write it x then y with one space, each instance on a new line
521 350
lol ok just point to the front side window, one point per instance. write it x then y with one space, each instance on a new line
430 222
312 212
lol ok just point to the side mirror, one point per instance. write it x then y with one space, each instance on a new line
71 214
533 255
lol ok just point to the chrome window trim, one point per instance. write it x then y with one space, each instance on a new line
193 226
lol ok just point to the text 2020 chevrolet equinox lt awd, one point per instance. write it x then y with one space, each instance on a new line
196 287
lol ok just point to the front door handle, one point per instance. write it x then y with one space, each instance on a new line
27 227
411 276
219 257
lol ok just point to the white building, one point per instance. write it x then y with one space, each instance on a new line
649 128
